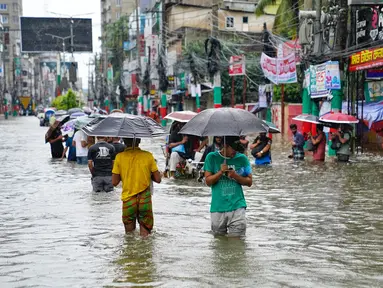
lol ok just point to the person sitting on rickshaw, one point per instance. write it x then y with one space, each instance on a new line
215 146
183 147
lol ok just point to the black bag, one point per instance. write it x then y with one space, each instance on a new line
310 146
335 143
258 149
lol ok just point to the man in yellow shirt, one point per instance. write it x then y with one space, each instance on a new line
136 169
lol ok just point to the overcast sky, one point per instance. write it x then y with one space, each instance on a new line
75 8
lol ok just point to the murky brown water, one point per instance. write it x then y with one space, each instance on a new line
308 225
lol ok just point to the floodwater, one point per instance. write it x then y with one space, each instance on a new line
308 225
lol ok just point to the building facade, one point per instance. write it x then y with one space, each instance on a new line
10 11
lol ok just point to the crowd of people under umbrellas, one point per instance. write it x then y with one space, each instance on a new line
225 163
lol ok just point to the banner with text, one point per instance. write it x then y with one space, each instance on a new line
279 70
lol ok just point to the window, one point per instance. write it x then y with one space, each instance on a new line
3 7
230 22
25 84
24 73
15 7
245 20
5 19
15 19
118 2
118 15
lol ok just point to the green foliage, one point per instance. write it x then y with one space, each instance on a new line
116 34
286 20
66 102
259 9
292 93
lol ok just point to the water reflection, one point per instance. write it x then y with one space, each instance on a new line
135 265
309 225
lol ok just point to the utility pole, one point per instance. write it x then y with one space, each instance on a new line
217 92
162 64
139 72
318 29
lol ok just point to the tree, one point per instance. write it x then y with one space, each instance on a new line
286 21
116 34
65 102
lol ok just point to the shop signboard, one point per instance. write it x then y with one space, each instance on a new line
374 73
366 59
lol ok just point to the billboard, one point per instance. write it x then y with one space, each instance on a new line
49 70
36 34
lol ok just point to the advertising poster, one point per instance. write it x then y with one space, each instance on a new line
287 69
48 71
317 81
269 68
279 70
332 75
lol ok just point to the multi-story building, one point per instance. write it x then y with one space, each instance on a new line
10 11
112 11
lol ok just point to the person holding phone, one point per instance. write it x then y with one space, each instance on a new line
226 171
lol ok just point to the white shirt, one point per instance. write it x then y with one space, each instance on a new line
78 137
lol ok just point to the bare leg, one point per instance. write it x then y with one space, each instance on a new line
144 232
129 227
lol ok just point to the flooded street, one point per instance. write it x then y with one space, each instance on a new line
308 225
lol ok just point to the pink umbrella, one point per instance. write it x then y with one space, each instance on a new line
181 116
338 118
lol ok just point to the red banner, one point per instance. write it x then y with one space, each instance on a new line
366 59
135 90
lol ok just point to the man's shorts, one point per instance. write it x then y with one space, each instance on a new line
102 183
231 223
139 207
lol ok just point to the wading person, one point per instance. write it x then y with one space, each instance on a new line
341 143
136 169
80 142
319 142
226 171
297 144
69 146
260 149
55 140
100 163
118 146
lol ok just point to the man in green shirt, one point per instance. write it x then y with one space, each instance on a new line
226 171
343 135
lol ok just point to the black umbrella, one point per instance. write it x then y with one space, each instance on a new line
125 126
224 122
59 121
